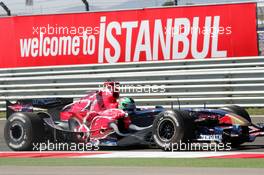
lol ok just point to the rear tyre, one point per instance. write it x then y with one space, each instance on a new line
23 131
172 127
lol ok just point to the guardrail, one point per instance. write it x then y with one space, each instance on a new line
195 83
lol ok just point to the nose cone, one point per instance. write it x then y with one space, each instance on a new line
238 120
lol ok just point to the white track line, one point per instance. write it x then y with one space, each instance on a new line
128 154
257 116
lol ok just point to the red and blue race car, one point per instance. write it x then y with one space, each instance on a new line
104 119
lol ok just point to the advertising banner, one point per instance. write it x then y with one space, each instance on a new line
195 32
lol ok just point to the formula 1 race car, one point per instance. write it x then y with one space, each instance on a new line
102 118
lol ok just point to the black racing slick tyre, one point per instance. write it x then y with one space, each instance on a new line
236 142
172 127
23 130
237 110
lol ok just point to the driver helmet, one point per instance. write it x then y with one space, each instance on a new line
127 104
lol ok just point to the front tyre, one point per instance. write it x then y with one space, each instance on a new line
171 127
23 130
238 110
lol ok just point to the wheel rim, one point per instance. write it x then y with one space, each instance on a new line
166 130
16 132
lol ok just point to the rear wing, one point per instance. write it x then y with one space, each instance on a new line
53 105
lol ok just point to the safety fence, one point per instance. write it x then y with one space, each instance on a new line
190 83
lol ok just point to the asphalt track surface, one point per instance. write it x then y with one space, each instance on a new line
125 171
256 146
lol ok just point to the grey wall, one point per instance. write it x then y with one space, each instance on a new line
58 6
185 2
18 7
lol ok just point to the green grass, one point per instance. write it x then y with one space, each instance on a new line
255 111
2 114
144 162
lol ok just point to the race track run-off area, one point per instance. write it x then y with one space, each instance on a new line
131 154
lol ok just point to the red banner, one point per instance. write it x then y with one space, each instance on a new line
197 32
